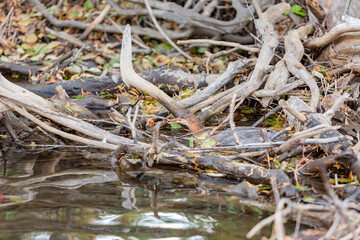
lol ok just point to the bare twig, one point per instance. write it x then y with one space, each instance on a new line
75 41
163 33
330 113
106 28
73 137
121 29
262 119
231 120
300 137
2 26
292 110
96 22
257 8
215 85
219 43
218 54
254 146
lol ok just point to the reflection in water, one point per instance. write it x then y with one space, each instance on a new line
177 221
54 195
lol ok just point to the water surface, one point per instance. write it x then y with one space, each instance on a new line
58 195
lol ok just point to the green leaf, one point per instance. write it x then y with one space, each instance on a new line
20 50
278 164
52 45
16 199
273 122
175 126
15 75
74 14
290 165
256 210
68 107
206 141
51 36
202 50
4 59
115 59
40 55
78 97
89 5
247 111
318 74
93 70
296 9
164 46
340 180
231 209
300 187
74 68
191 141
179 59
322 69
309 198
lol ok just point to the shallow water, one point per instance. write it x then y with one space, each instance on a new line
57 195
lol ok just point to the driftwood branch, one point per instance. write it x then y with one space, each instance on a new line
270 41
131 78
294 53
17 97
350 25
219 43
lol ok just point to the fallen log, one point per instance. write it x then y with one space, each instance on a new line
170 80
13 97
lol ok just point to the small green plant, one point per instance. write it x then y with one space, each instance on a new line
175 126
78 97
247 111
265 188
89 5
202 50
298 186
278 164
257 211
191 141
296 9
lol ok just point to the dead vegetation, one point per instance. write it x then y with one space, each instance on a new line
302 69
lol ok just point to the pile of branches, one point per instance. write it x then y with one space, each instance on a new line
282 68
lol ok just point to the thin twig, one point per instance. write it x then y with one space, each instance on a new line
96 22
231 120
266 116
162 31
218 54
331 112
219 43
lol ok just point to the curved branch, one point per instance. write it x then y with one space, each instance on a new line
106 28
350 25
294 51
131 78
